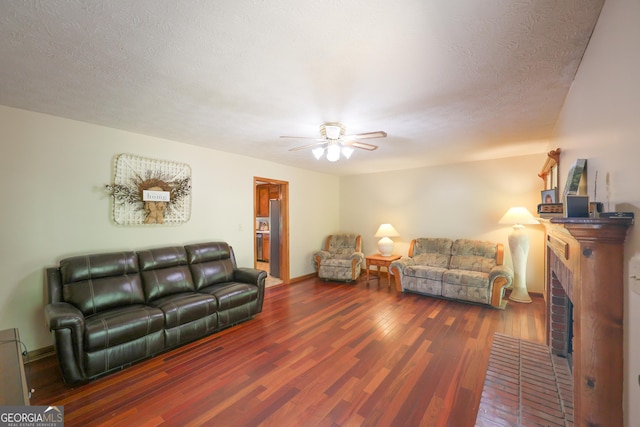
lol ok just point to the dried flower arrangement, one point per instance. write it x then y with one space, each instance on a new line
128 189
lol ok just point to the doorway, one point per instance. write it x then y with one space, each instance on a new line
271 215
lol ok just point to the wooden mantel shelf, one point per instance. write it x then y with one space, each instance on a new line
596 229
587 256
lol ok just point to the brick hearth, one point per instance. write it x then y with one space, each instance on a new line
525 386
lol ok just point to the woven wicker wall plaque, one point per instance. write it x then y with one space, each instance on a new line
142 186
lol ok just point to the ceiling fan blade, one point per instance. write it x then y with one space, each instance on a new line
363 145
367 135
302 137
302 147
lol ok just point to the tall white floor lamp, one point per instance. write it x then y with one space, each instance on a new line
519 247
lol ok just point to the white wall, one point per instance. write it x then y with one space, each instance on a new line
464 200
54 205
601 122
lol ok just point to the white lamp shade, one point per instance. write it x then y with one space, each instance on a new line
386 230
518 216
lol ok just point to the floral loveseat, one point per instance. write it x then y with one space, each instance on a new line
341 259
466 270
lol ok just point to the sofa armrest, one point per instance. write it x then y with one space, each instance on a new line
501 271
500 278
358 257
322 255
62 315
254 277
67 324
403 262
396 268
250 275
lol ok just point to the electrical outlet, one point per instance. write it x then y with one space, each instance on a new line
634 274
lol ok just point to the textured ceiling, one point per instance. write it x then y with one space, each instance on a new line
451 80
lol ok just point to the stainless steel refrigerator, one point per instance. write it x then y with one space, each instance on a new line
274 238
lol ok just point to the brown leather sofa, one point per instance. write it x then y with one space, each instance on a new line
109 310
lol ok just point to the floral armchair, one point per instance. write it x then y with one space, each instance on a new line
341 259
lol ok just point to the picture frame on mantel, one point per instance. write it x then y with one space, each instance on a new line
577 170
549 196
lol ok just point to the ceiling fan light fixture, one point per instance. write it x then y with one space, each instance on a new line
318 152
333 152
335 143
347 151
332 131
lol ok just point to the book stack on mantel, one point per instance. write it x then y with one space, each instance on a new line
550 210
615 215
556 210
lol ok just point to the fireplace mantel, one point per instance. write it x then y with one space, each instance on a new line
587 257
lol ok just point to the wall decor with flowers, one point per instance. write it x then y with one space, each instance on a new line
150 191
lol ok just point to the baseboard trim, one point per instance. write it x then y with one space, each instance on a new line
301 278
40 353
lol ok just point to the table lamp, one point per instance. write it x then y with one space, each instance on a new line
385 244
519 247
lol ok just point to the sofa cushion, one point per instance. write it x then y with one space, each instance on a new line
338 269
343 245
423 279
432 260
75 269
154 259
120 325
473 255
474 279
205 252
183 308
232 294
94 283
480 295
425 272
340 262
164 272
210 263
433 252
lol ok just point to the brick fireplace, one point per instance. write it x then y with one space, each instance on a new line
560 321
584 291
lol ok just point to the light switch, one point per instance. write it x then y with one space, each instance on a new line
634 274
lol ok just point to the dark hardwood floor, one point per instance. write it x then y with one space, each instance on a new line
320 354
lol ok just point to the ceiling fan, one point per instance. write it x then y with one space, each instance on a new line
334 141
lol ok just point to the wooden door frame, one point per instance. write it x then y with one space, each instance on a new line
284 215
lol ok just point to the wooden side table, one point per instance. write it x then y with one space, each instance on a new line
378 261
